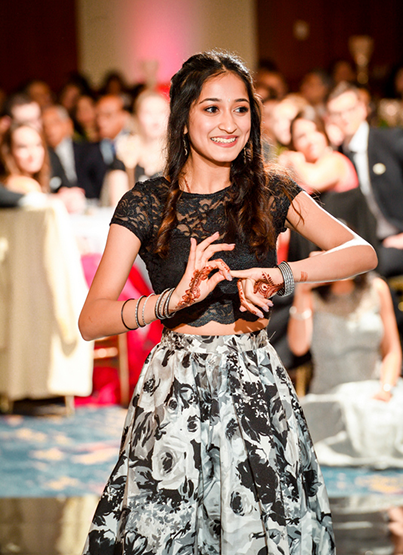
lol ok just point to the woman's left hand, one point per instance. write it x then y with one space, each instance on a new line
256 286
383 395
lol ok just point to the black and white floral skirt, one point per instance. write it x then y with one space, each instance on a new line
215 458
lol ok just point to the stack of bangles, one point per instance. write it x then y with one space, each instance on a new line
161 309
288 280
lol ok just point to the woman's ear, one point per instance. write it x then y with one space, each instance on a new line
185 130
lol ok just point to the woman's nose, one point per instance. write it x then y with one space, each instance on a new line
227 122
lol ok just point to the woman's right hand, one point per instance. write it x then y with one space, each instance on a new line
196 284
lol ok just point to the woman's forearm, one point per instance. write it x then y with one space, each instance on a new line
349 259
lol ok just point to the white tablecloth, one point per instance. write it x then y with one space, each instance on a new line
42 290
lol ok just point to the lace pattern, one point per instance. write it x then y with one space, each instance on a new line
199 216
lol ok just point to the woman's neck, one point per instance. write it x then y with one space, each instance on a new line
205 178
343 287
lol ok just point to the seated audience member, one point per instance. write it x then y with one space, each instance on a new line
342 70
24 160
269 79
20 108
39 92
112 121
75 165
282 115
354 407
151 112
268 138
75 86
316 167
85 119
114 84
143 153
315 87
378 158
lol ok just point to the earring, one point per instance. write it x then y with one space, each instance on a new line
185 146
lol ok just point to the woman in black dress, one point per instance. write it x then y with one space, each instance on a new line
215 457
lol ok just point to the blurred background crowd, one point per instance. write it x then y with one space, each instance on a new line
337 128
84 105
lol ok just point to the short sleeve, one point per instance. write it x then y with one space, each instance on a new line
284 192
134 211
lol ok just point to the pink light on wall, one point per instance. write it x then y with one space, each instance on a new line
158 30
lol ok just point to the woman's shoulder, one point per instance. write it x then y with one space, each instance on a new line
156 187
22 184
280 183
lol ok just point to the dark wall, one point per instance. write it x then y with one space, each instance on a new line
331 24
37 40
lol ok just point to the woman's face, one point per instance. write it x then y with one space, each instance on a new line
85 112
220 120
27 150
308 140
152 115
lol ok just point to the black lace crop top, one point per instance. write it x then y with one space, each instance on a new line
199 216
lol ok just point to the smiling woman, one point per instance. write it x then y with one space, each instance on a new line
24 160
216 457
219 125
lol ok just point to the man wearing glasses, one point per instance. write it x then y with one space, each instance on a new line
378 158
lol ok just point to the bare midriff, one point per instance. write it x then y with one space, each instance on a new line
214 328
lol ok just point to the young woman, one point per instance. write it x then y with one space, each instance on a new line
24 160
216 456
316 166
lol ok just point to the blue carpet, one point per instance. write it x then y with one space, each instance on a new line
73 456
57 455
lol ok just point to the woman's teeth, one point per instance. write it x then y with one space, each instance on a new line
221 140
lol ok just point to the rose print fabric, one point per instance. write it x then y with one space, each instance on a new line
215 458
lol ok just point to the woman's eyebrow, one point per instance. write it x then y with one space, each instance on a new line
219 100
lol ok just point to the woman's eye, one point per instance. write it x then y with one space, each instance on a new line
211 109
242 109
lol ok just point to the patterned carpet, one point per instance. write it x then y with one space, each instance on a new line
47 456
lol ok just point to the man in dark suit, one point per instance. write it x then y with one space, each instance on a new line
76 166
378 158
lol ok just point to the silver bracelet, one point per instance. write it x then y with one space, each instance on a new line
157 312
305 315
288 279
144 307
166 305
136 312
387 387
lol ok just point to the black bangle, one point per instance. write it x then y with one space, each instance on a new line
121 315
166 306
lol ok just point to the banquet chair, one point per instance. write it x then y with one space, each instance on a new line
113 349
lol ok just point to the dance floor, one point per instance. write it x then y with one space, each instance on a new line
53 469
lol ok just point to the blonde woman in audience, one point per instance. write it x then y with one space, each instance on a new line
317 168
24 160
142 153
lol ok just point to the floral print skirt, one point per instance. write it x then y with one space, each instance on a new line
215 459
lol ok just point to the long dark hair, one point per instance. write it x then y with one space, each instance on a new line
248 208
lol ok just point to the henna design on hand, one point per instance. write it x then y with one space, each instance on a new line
304 276
193 293
265 287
